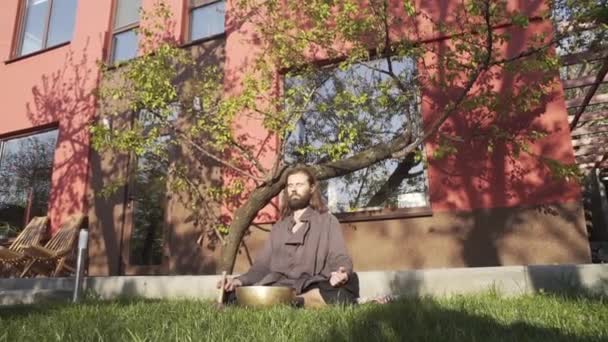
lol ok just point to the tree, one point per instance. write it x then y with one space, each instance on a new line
336 85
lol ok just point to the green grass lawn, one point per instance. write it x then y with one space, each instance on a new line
486 317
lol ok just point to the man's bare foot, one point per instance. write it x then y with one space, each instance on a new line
313 299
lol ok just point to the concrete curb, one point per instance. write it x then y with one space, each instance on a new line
508 280
19 297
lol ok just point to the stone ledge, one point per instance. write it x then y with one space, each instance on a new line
19 297
508 280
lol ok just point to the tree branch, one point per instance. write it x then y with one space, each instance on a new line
202 198
220 160
527 53
391 185
250 158
282 141
430 131
559 36
362 159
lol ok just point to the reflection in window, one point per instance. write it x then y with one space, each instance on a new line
125 46
62 12
388 184
26 165
47 23
148 193
126 21
206 20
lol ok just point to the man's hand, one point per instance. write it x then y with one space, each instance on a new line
339 277
230 285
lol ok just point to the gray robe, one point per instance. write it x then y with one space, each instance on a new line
302 258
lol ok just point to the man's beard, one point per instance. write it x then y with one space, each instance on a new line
299 202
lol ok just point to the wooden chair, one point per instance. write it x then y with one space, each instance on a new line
53 258
13 257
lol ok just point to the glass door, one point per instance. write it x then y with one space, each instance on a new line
144 250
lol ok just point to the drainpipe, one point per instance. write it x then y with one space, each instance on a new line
83 242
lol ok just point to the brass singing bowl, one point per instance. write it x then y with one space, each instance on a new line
259 296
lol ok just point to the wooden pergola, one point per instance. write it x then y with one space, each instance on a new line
587 103
585 81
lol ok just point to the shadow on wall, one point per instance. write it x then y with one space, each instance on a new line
188 237
569 280
406 284
106 215
249 132
191 240
519 236
505 177
66 97
550 218
562 280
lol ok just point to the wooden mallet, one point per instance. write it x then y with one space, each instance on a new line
220 295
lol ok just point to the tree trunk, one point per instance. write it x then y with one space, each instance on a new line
392 183
243 217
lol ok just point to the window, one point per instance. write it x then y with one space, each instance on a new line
26 165
148 191
46 23
361 96
124 37
206 18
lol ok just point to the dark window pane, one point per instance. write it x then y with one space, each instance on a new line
207 21
33 33
125 46
149 195
127 13
26 165
61 27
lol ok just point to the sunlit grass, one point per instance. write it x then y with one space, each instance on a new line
485 317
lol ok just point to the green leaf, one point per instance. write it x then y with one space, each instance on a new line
520 20
409 7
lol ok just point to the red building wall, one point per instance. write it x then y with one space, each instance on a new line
477 178
474 178
55 87
488 209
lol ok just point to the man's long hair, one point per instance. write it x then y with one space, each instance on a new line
316 200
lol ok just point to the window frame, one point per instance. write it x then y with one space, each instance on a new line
18 38
116 31
191 6
385 213
24 134
375 213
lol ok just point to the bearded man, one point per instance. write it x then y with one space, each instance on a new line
305 251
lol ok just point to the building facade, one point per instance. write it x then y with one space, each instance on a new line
478 209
